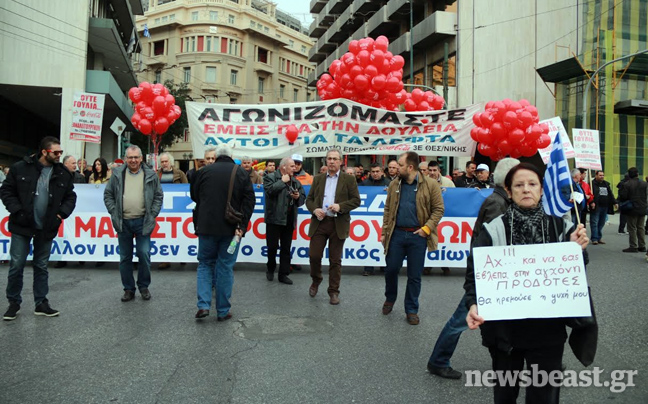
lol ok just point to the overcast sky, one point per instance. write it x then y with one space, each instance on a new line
300 9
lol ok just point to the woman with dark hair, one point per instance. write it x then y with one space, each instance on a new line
100 173
538 341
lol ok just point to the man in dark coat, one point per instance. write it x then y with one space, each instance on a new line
283 197
635 191
376 179
38 194
215 235
602 205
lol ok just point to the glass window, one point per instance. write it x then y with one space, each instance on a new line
192 47
187 74
157 21
233 76
158 76
210 74
282 90
194 16
165 18
303 49
295 95
266 29
158 48
252 24
262 55
172 17
231 19
291 43
213 15
208 47
261 81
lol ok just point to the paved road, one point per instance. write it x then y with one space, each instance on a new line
282 346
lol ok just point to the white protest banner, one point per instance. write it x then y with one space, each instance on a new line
258 131
87 117
555 125
531 281
587 148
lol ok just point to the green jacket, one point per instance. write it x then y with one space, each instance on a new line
278 199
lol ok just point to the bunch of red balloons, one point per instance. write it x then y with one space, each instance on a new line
155 108
509 128
369 74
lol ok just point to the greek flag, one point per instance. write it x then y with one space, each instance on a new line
146 31
555 197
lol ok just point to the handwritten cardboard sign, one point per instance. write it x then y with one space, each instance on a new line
531 281
587 148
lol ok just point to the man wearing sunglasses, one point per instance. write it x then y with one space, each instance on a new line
38 194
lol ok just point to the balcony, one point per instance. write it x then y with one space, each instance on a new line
437 28
104 39
156 60
263 67
317 5
316 29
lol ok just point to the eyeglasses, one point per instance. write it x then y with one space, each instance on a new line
56 152
133 157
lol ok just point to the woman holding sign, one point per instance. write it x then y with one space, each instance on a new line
538 341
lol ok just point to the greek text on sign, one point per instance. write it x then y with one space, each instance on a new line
258 131
531 281
87 117
587 148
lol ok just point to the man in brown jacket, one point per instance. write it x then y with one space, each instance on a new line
413 209
331 199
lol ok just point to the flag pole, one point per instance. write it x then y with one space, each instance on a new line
571 187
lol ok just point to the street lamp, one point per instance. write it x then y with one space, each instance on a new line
589 83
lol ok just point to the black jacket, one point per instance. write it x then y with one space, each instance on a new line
464 182
278 199
209 191
596 191
18 191
636 191
79 178
369 182
480 184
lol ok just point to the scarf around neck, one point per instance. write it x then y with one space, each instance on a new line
528 226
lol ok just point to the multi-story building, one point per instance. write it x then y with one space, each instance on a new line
51 51
227 51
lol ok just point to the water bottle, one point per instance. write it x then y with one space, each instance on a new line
326 208
233 244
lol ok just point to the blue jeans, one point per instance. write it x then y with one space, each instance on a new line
130 228
214 263
449 337
405 244
597 222
18 252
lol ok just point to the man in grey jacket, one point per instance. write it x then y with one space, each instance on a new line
133 197
283 196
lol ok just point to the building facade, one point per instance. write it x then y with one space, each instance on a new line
51 52
227 51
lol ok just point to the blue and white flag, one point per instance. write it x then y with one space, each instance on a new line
557 180
146 31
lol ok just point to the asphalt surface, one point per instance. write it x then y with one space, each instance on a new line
281 346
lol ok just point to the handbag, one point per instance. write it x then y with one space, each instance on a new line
232 216
625 206
583 339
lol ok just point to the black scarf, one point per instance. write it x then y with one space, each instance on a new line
528 226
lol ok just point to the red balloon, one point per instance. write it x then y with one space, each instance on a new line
515 153
423 106
505 147
159 105
177 110
524 102
348 94
147 92
393 84
385 68
398 74
348 59
367 44
140 107
335 65
397 62
345 81
526 118
485 149
527 150
438 103
135 119
355 71
485 137
400 97
363 58
371 95
171 117
507 101
486 119
145 126
533 110
516 136
417 95
161 125
135 94
381 43
498 130
514 106
148 113
409 105
371 71
377 57
378 82
291 133
533 133
474 134
510 119
489 105
170 100
500 110
545 128
361 82
354 47
157 89
477 119
544 141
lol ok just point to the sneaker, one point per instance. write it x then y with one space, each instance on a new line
446 373
128 296
225 317
630 250
44 309
202 313
642 249
12 312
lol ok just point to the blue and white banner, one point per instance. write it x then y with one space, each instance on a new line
88 234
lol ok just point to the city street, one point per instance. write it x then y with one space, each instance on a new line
281 346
